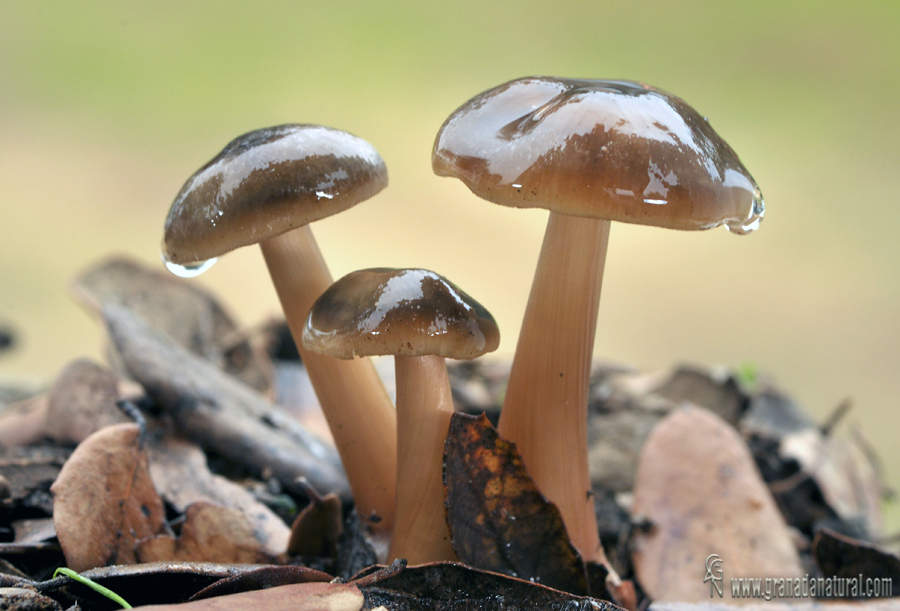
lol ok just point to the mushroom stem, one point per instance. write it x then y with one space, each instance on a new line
353 399
424 408
545 407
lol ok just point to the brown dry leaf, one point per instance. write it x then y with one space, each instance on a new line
699 487
82 401
317 528
181 475
314 596
23 423
104 500
498 519
210 533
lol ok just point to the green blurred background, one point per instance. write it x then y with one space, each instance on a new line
107 107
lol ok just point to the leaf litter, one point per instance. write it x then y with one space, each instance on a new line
126 496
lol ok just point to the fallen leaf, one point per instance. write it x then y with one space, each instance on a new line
450 586
849 482
182 310
262 578
104 500
714 391
28 473
23 423
498 519
317 528
26 599
805 605
181 475
155 583
36 530
314 596
219 412
82 401
698 486
210 533
840 556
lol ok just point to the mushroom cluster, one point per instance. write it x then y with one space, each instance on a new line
589 151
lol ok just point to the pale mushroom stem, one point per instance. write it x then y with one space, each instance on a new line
424 408
353 398
545 406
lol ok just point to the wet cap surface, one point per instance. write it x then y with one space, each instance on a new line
267 182
617 150
400 312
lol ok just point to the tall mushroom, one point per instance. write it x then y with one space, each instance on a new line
591 152
265 187
420 318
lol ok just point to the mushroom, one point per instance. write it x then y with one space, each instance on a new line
591 152
265 187
420 318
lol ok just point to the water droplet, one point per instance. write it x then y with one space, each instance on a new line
751 223
191 269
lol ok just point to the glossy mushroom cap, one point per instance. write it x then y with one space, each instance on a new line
265 183
615 150
399 312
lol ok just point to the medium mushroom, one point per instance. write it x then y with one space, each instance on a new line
420 318
265 187
591 152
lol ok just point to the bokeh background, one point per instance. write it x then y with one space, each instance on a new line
107 107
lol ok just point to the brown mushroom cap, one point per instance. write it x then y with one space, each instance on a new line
615 150
265 183
399 312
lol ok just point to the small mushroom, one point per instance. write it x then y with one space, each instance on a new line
591 152
265 187
420 318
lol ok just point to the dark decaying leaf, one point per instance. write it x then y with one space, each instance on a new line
498 519
104 500
262 578
26 599
142 584
354 550
449 586
793 605
818 477
37 530
840 556
27 475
